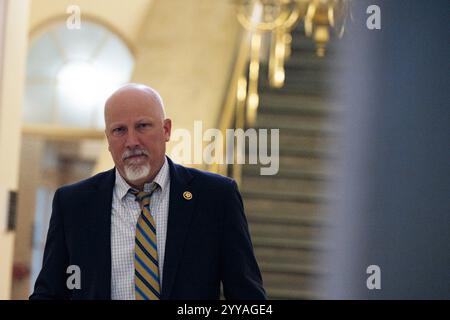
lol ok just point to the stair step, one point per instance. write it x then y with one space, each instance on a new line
302 44
294 100
305 219
316 142
317 155
274 293
289 281
286 173
307 163
283 231
280 184
294 105
299 139
298 110
292 122
316 86
295 72
286 180
287 255
298 244
284 196
309 60
304 152
312 162
287 132
258 205
291 268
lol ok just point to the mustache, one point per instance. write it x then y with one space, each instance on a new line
134 152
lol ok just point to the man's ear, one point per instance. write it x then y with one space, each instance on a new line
167 128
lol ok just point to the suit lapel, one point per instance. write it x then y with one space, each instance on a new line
100 211
180 214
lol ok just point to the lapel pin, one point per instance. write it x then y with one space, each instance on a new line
187 195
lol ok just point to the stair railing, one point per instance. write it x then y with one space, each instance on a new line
233 114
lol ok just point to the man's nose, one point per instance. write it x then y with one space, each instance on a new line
132 139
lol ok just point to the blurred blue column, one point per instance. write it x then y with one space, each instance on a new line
393 207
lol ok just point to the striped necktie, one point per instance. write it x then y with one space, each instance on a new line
146 268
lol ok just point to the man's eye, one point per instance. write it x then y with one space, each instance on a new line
118 130
144 125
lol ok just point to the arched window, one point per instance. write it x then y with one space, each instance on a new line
70 73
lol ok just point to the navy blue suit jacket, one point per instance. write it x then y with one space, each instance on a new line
208 241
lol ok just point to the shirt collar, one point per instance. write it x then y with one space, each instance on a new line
162 179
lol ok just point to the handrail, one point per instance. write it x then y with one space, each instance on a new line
233 107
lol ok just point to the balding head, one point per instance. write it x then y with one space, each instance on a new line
134 92
137 132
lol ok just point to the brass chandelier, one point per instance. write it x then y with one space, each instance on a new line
279 17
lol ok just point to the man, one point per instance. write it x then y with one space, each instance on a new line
147 229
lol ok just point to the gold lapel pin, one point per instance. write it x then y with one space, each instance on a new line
187 195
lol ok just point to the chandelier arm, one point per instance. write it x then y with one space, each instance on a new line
261 26
295 16
309 17
277 58
343 9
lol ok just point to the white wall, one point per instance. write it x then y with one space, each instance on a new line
123 17
13 40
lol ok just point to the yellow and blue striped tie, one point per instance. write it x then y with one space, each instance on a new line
146 268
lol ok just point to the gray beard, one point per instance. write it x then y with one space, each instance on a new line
136 172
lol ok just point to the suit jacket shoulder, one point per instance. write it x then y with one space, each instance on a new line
100 180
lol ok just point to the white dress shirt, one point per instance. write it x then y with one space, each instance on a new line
124 217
